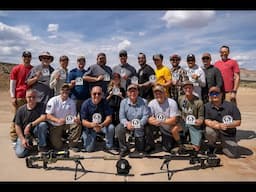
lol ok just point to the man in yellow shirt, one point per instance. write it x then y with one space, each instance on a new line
163 74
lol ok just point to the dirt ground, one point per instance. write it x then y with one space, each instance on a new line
242 169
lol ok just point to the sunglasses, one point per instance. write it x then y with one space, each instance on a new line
94 94
214 93
122 55
205 58
47 58
27 56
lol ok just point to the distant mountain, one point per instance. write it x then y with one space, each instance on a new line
248 75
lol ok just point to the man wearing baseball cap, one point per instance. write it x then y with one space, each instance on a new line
133 115
164 115
18 87
179 75
221 119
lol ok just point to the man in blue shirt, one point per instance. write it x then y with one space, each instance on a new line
96 116
133 116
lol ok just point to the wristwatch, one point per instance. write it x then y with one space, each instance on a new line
31 124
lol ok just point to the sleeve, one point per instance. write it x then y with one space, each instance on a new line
50 106
236 113
18 118
145 116
167 74
84 111
202 80
174 109
200 110
53 80
108 109
71 76
73 108
236 67
219 79
122 117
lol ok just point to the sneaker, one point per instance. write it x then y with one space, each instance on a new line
149 149
136 154
13 144
123 153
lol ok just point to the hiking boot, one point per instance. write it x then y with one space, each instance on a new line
136 154
123 153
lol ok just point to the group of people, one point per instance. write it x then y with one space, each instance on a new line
61 107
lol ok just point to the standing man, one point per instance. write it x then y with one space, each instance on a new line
230 71
163 74
196 75
39 77
213 76
144 74
126 70
18 87
79 87
59 75
221 120
179 75
99 74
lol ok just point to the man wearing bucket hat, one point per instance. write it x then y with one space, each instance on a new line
39 77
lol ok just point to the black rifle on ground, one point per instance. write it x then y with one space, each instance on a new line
194 157
53 156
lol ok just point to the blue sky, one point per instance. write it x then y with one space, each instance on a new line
75 33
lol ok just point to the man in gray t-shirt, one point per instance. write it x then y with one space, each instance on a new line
125 70
163 115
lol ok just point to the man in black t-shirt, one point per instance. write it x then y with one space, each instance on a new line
221 120
30 121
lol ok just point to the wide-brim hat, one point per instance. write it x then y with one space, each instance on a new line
46 54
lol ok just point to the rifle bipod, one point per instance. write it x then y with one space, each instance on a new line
78 162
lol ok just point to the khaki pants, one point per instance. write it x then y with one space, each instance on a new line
228 98
13 134
58 135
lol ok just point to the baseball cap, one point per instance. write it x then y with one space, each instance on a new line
191 57
80 58
175 56
187 83
101 54
26 53
132 86
123 52
158 88
206 55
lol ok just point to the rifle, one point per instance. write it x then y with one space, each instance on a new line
205 160
53 156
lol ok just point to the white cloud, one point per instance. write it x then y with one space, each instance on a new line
188 18
141 33
53 27
125 44
52 36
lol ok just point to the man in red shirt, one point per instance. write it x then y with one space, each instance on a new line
230 71
18 87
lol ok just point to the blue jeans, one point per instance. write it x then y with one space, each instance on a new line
40 131
195 134
89 137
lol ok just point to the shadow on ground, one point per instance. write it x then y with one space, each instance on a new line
245 135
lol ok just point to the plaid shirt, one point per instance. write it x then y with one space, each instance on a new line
176 90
